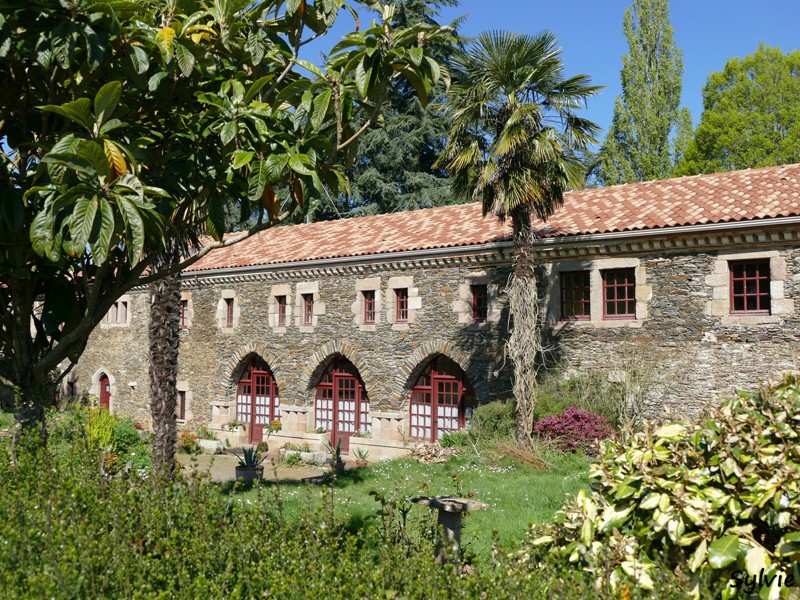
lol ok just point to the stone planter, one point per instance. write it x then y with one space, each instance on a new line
213 446
309 458
250 474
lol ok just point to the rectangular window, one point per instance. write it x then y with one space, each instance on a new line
281 303
401 305
369 306
750 287
308 309
118 313
575 303
619 293
180 409
228 312
479 303
184 314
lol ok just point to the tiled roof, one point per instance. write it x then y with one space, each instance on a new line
722 197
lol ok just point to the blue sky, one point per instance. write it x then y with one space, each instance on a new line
590 31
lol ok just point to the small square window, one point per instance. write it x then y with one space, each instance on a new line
308 309
401 305
369 306
281 303
228 312
619 294
118 313
750 281
184 314
479 303
575 296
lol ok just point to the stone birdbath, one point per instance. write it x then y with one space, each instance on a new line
449 519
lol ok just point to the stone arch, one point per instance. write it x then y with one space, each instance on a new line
233 367
94 388
323 356
411 367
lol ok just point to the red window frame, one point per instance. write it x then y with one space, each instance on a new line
442 400
257 399
281 302
369 306
341 404
184 314
749 287
575 296
308 309
480 302
181 412
228 312
401 305
619 293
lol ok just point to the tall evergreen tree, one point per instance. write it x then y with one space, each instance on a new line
394 168
637 147
751 115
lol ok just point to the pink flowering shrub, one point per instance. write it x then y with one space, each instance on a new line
574 429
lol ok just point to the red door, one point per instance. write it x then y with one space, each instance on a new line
257 401
105 392
441 400
342 405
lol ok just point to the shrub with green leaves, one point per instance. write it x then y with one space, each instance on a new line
493 420
717 501
100 429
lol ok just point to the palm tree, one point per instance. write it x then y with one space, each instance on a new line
514 144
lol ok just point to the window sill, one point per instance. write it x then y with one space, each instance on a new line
749 320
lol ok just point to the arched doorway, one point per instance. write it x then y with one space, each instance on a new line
105 391
257 401
441 400
341 403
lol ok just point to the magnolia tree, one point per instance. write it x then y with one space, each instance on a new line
132 130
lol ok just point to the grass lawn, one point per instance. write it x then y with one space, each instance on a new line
6 420
517 493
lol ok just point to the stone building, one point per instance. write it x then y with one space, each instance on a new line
385 329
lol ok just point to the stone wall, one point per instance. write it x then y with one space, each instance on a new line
388 356
697 352
694 350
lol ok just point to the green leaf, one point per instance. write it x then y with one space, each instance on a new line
111 125
699 556
723 551
416 54
132 183
242 158
71 161
77 111
257 85
94 153
83 219
297 165
139 59
321 103
106 101
102 245
228 132
257 181
185 58
310 67
42 234
134 229
276 163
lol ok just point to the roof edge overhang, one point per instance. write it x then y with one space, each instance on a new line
552 246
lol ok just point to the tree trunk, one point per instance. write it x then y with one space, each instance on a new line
164 338
524 345
30 416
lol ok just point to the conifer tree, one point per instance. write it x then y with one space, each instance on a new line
637 147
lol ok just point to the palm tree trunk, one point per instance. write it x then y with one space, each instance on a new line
164 338
524 344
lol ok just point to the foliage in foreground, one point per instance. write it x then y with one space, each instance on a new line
718 501
68 532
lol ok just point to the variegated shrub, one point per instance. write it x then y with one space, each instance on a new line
715 502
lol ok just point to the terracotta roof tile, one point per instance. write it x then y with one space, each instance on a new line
722 197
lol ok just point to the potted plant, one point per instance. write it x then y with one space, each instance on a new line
250 468
361 457
336 456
